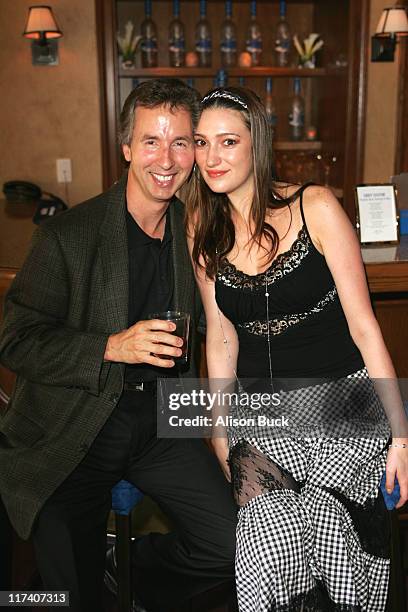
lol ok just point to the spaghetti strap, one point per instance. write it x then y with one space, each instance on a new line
302 189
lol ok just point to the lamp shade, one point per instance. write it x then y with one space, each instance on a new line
41 23
393 21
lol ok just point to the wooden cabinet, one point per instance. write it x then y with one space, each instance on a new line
334 91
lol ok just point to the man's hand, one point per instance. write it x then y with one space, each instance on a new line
143 342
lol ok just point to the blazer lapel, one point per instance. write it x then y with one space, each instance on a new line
114 256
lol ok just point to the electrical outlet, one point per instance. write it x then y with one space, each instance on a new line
64 171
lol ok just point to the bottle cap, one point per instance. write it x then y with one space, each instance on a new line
228 8
148 8
282 8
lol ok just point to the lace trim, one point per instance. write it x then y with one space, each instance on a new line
253 473
278 326
284 264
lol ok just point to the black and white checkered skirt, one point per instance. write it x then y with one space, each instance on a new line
312 531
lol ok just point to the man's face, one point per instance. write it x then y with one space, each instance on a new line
161 154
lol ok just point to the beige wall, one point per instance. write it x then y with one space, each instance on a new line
381 116
50 112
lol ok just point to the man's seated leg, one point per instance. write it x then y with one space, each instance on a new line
70 542
185 479
70 532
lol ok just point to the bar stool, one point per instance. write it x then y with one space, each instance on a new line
125 497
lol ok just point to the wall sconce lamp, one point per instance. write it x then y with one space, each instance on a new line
43 30
393 22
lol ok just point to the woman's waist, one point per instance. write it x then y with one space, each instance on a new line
333 356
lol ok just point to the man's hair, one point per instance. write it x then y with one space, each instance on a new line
157 92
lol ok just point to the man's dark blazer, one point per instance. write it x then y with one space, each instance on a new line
70 295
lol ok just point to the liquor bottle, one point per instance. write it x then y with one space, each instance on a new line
241 81
190 82
270 106
203 38
297 112
177 46
254 38
149 38
228 38
283 37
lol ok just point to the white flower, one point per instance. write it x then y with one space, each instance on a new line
128 43
311 44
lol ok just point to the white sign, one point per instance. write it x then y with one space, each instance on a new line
377 213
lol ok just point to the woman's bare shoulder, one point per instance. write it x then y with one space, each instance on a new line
319 201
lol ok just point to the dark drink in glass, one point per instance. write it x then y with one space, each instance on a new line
182 321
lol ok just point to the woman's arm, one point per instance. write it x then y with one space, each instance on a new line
221 357
334 236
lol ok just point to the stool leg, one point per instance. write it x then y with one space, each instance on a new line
123 531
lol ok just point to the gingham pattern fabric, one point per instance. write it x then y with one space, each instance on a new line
289 543
347 407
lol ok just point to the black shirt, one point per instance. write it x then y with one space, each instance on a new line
150 285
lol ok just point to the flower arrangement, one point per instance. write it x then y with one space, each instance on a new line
307 50
128 45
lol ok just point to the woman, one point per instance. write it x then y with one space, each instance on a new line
285 296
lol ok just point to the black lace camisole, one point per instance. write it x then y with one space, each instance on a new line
309 335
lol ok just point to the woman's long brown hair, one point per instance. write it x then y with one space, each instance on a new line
208 214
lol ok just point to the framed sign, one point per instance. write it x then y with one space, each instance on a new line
377 217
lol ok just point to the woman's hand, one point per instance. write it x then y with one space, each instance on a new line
220 446
397 466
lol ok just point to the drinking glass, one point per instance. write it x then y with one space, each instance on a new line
182 322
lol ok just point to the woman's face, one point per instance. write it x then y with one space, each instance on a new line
223 152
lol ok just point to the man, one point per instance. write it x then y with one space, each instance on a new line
82 415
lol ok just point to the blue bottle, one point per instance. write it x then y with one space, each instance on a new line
270 105
221 78
228 38
297 112
177 46
203 38
148 31
283 39
254 38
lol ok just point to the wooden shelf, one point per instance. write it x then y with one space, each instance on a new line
259 71
297 145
